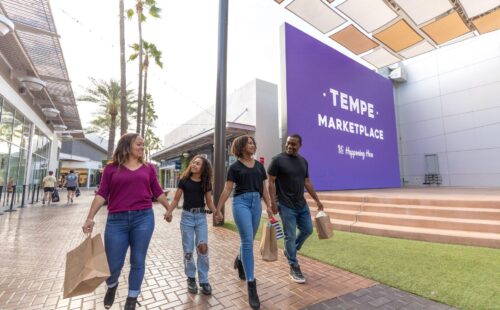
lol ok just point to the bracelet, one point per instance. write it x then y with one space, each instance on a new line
90 220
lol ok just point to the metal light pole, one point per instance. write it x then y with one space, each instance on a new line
220 106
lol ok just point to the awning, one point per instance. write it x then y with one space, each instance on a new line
34 50
202 139
384 32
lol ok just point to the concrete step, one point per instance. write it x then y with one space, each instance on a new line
425 234
472 225
436 211
486 226
430 216
470 202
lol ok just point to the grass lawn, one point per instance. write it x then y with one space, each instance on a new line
460 276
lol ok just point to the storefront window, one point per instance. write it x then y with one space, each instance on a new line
17 133
4 164
6 122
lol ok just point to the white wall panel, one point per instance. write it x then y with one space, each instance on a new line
436 144
419 110
460 141
487 117
421 90
488 137
458 56
423 129
471 99
458 122
423 68
450 106
474 162
485 72
474 180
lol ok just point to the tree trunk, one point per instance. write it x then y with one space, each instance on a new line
123 71
147 143
112 132
145 101
139 97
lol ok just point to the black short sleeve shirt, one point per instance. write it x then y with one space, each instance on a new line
194 197
291 173
247 179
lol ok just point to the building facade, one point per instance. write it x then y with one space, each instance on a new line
37 105
85 157
251 109
448 114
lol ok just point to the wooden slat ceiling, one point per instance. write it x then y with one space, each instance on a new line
394 30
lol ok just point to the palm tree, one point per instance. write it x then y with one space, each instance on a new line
123 74
107 95
155 12
151 141
150 50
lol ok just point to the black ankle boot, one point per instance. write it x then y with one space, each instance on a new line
253 298
239 265
131 302
109 298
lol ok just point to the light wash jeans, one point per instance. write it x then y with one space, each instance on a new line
124 229
195 230
247 211
293 219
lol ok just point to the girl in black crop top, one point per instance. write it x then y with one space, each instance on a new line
196 185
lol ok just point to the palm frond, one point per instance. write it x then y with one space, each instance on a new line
130 13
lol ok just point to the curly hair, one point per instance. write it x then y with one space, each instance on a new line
239 145
206 173
124 149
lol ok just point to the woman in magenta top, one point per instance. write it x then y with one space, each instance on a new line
128 184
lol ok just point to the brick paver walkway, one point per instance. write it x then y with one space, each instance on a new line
379 297
35 240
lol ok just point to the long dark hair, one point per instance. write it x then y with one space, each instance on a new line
206 173
124 149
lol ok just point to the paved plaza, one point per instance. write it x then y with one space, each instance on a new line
35 241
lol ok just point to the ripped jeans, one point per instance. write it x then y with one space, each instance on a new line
194 230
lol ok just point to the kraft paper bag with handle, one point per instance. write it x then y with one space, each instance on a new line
268 243
323 225
86 267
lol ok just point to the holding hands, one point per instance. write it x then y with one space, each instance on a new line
168 216
218 216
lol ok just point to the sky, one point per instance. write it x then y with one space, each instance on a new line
187 35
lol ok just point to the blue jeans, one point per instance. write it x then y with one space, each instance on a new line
247 211
195 230
293 219
124 229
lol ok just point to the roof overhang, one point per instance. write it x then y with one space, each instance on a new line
384 32
200 140
70 157
33 49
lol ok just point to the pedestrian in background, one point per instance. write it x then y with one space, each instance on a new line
128 184
249 176
48 184
71 185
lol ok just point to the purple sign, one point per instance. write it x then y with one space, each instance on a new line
344 113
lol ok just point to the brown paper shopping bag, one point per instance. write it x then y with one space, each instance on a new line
268 243
86 267
323 225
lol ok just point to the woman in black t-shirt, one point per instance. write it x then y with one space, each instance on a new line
249 176
196 185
